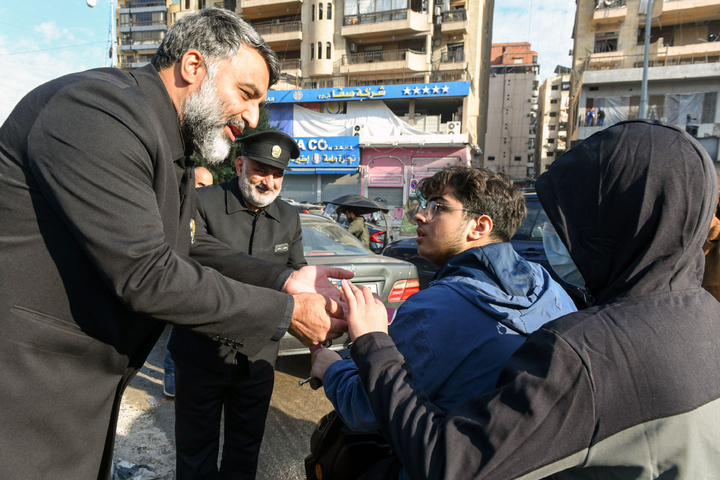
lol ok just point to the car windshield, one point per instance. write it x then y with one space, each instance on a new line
329 239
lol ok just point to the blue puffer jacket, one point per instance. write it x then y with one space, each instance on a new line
458 333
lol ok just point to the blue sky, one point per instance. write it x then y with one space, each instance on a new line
45 39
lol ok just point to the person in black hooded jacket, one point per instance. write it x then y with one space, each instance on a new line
626 389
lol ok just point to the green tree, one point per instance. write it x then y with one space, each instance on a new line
225 170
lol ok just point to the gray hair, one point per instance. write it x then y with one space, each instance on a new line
217 34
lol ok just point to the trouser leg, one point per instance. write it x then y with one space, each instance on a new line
198 409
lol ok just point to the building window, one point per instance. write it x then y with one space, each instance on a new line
187 4
553 114
553 101
312 16
551 140
554 87
319 50
328 51
491 159
566 85
550 154
518 159
606 42
320 11
551 127
312 52
329 11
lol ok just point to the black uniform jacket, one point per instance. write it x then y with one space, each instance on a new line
273 233
96 203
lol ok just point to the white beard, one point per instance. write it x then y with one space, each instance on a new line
203 119
251 193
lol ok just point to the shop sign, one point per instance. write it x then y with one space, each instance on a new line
323 152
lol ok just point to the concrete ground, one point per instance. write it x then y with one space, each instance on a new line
145 433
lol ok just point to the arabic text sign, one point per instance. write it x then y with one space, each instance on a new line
327 152
419 90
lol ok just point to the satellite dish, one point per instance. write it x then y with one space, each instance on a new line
91 3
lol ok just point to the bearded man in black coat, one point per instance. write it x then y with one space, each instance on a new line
97 204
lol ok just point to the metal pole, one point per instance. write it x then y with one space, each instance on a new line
113 37
646 61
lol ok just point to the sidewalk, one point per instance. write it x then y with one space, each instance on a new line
146 427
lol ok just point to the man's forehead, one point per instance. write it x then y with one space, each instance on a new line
448 194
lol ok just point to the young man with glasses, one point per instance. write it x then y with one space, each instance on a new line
483 302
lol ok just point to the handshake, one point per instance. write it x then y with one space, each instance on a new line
322 312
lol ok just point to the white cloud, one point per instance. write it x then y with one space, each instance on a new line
51 33
29 63
547 25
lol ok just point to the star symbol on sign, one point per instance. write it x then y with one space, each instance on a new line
406 91
426 90
445 89
436 89
416 91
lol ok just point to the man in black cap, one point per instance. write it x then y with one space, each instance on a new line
246 214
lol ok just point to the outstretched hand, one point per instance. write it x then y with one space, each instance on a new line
314 279
365 311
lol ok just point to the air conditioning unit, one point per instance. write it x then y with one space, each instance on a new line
358 130
353 47
438 10
453 128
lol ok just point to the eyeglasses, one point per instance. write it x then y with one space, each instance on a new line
431 208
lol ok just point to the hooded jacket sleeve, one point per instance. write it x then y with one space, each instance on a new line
513 431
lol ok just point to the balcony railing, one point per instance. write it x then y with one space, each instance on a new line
601 4
459 15
376 17
142 3
271 28
612 62
147 23
290 64
452 57
381 56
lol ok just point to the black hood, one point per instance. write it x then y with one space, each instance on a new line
633 204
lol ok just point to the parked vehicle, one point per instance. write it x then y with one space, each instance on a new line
527 242
325 242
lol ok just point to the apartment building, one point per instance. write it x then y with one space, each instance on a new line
512 111
683 79
379 93
553 114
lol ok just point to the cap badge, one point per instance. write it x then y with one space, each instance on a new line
276 150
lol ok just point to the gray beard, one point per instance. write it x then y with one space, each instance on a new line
203 119
251 195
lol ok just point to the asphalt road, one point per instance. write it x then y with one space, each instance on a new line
146 427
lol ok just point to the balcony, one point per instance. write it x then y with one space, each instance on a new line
608 12
454 22
454 60
685 11
141 3
659 56
266 9
383 61
287 35
379 26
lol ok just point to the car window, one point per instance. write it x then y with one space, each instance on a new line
531 228
330 239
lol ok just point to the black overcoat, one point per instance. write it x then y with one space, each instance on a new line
96 202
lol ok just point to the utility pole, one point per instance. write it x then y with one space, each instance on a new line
646 61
